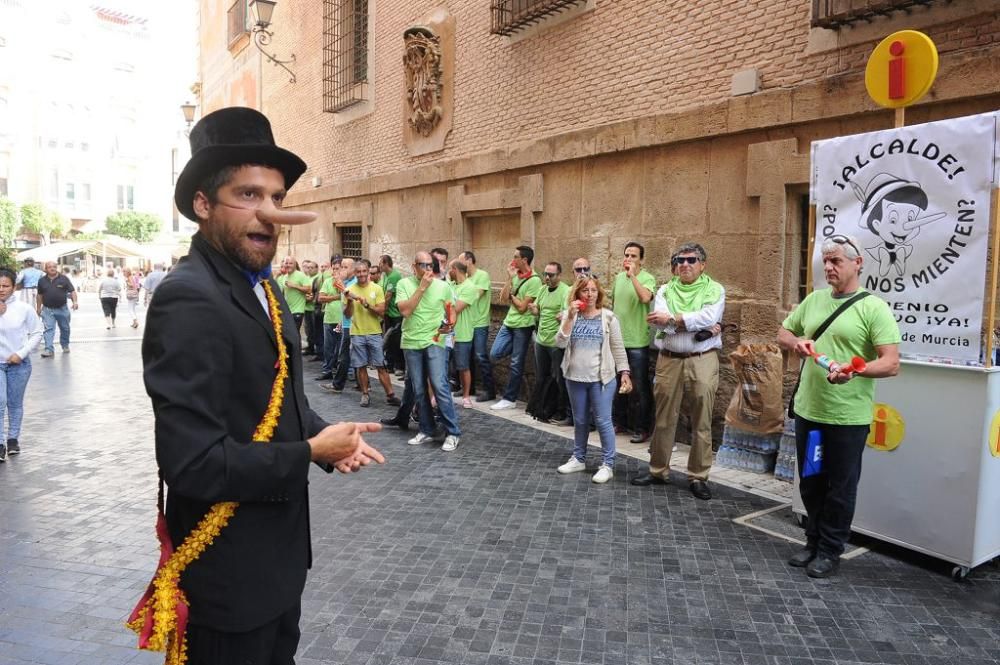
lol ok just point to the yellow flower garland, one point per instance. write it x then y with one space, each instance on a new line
167 592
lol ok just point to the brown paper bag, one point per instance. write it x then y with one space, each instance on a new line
756 405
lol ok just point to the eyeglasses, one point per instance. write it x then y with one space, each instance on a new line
681 260
581 270
425 266
551 274
844 240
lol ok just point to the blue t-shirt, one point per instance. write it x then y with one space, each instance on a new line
28 278
346 324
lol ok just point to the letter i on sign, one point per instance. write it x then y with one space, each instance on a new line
880 427
897 71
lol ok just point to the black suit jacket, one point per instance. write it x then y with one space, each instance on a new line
209 355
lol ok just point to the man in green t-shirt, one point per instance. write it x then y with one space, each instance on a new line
631 295
365 306
514 337
421 300
330 299
548 397
296 287
481 325
313 333
466 296
836 407
393 322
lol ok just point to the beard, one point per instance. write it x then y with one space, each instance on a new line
232 241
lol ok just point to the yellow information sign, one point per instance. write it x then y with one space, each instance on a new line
901 69
887 430
994 440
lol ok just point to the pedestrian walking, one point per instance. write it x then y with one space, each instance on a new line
54 289
27 281
109 291
133 282
593 361
20 332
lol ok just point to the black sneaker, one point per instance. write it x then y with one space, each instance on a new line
330 388
13 447
325 376
486 397
392 400
3 453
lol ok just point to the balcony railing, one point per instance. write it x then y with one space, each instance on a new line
833 14
509 16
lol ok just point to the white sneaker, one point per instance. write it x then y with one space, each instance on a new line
503 404
603 475
419 439
450 443
572 466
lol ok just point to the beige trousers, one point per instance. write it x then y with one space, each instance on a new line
699 377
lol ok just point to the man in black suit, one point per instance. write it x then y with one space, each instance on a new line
210 356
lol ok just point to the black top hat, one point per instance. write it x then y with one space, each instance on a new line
231 137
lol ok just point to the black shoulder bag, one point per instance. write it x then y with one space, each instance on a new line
816 335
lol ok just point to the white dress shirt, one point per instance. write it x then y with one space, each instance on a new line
668 338
20 330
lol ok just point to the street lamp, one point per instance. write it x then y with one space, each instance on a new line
263 9
187 108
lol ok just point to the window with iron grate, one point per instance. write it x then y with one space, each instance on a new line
345 53
834 14
349 238
509 16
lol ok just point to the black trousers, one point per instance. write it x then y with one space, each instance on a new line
343 360
634 411
393 337
273 643
830 495
548 398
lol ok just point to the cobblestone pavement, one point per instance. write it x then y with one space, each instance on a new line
482 556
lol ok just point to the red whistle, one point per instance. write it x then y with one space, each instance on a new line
581 305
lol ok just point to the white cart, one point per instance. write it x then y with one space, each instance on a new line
938 492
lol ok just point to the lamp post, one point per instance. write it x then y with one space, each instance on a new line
187 108
263 10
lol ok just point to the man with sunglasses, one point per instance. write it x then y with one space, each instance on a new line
581 268
549 399
689 303
836 405
631 296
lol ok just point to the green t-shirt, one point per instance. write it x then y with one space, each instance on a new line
365 321
867 324
550 303
631 311
466 292
481 280
311 304
333 313
296 299
388 284
532 287
420 327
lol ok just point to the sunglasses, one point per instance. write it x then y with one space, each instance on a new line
551 274
425 266
581 270
844 240
681 260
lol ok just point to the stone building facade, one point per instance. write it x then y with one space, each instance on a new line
598 123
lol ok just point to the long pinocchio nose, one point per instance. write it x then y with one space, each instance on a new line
279 216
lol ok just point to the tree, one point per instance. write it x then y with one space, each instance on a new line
10 221
138 226
36 218
57 225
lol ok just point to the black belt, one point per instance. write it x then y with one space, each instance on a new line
671 354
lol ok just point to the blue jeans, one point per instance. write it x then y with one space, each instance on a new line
331 346
480 343
513 342
15 382
587 396
51 317
641 398
431 364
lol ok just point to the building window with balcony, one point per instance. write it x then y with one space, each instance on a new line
835 14
510 16
238 20
345 53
